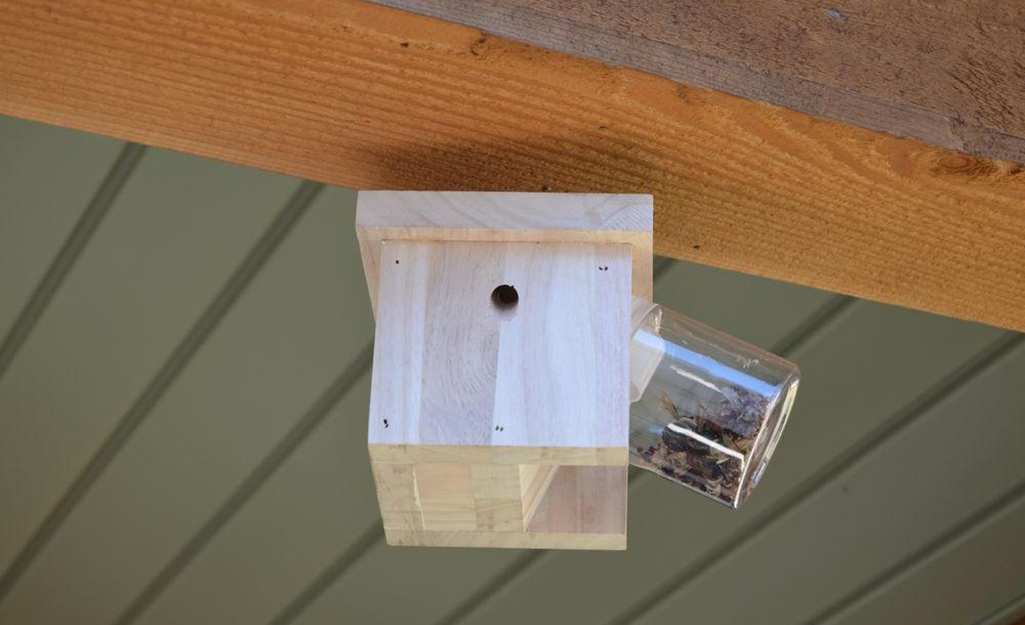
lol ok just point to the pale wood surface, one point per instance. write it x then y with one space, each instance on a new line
459 377
488 505
551 372
949 73
483 540
501 454
524 217
499 501
584 500
446 497
397 496
582 508
534 482
324 90
453 369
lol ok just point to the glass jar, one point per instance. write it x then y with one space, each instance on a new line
706 409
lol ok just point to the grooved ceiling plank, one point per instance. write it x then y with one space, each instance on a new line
365 96
38 212
958 584
310 511
856 375
290 334
1011 613
364 592
892 501
949 73
172 238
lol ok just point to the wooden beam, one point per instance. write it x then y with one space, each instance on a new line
949 73
364 96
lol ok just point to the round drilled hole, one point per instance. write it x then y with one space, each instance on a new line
505 297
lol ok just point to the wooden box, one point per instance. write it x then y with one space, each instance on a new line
499 410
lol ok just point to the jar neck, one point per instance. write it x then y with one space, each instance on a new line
639 311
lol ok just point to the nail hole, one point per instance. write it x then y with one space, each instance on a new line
504 297
396 262
386 423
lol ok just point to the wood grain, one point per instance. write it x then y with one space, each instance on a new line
451 369
502 454
454 374
949 73
526 217
480 539
534 482
493 505
583 508
365 96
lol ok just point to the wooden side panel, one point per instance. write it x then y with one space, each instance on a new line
397 496
499 454
588 500
481 539
534 482
544 368
445 495
497 497
738 184
463 505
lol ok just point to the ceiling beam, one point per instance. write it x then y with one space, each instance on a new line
949 73
364 96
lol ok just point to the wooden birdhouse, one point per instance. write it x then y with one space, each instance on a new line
499 410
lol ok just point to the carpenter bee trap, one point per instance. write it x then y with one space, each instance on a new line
520 367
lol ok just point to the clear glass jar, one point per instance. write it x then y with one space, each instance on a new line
706 409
